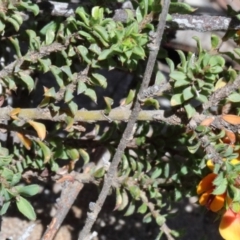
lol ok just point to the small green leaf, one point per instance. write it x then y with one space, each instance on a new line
16 45
142 209
4 208
25 207
83 51
28 191
156 173
45 64
177 99
190 110
234 97
91 93
160 220
53 25
68 96
139 51
88 37
95 48
30 7
46 151
102 81
2 26
50 92
15 23
105 54
84 155
27 80
99 173
215 41
109 102
100 37
15 179
73 107
135 192
139 15
181 82
130 97
56 71
147 218
125 200
181 8
193 149
199 45
83 15
182 57
152 102
66 69
188 93
131 209
97 13
159 78
177 75
50 36
102 32
166 170
81 87
73 154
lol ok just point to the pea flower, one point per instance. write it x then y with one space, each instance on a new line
205 189
230 225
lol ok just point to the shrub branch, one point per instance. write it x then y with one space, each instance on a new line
179 21
127 135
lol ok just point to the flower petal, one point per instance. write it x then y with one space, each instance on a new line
206 183
217 202
204 198
230 225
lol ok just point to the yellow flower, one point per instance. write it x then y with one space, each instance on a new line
210 163
205 189
229 227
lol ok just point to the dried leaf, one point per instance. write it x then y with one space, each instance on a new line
39 127
232 119
207 122
24 140
15 112
231 136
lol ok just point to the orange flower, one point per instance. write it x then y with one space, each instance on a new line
230 225
205 189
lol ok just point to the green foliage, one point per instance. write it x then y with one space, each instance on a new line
72 55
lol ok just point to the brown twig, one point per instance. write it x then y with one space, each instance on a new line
69 193
155 90
179 21
155 213
222 93
116 114
33 56
127 135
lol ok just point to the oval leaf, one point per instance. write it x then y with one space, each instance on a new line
232 119
40 129
27 143
25 207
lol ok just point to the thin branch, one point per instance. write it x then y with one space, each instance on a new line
179 21
69 193
27 232
116 114
203 23
222 93
155 213
127 135
32 56
155 90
